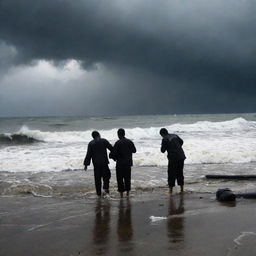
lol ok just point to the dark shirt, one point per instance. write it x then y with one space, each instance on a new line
97 151
122 152
172 143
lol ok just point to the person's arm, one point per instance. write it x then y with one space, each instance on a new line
164 145
108 145
113 153
133 148
88 156
180 140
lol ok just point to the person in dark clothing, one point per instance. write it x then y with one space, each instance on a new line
122 154
97 152
172 143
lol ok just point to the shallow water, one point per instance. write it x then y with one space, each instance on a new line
44 156
80 184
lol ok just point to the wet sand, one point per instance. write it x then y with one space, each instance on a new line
193 224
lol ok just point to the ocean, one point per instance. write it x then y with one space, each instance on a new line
44 155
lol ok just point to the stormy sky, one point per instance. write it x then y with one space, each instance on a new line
116 57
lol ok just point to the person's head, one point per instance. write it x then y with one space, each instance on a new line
121 133
95 134
163 132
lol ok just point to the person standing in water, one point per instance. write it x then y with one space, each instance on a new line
97 152
172 143
122 154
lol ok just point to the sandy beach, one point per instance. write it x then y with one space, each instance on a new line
149 223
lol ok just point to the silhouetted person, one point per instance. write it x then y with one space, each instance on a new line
97 152
172 143
122 154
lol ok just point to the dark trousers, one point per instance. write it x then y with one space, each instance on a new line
175 172
101 173
123 177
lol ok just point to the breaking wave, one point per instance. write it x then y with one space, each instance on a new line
17 139
204 143
238 125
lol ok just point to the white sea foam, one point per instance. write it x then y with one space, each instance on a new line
238 126
231 141
156 218
245 234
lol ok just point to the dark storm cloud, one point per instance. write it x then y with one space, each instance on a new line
197 50
7 56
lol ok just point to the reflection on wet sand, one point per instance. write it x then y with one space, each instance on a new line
175 223
124 227
101 230
228 204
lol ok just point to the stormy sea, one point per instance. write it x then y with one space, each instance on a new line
44 156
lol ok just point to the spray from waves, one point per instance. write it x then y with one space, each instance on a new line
238 125
204 143
14 139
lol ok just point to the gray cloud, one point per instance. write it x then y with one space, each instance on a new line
166 56
8 56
